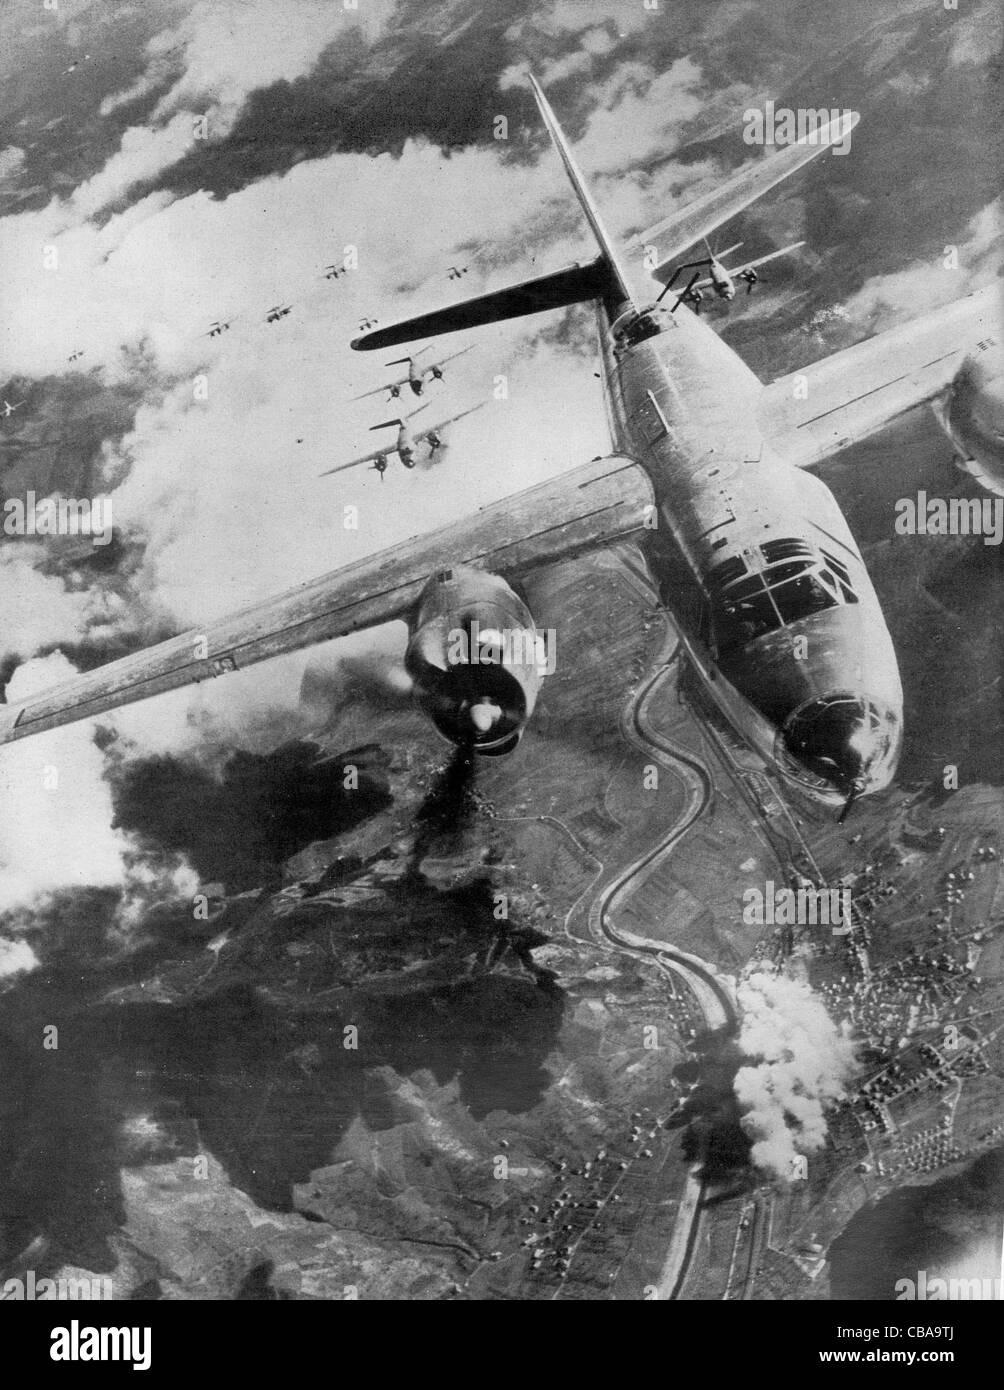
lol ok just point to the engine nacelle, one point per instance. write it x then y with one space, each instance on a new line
972 415
476 659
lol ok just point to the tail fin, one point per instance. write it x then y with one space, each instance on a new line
618 269
553 291
606 276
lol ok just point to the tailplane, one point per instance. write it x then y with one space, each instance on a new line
605 277
609 253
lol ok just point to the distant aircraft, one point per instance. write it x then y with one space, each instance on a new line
417 374
368 323
407 443
332 272
457 271
74 355
8 409
709 488
217 327
719 278
277 312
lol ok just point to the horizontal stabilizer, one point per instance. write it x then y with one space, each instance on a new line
554 291
696 219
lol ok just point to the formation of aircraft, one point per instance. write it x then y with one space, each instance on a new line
75 356
457 271
406 445
367 323
417 374
278 311
710 483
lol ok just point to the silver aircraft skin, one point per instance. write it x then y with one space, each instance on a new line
793 648
708 477
418 375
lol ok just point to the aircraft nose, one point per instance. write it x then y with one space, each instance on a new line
845 740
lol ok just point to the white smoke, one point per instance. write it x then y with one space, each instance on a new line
800 1062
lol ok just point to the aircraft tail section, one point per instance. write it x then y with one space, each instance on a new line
617 269
604 278
554 291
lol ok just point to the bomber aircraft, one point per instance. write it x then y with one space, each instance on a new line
406 445
710 480
417 374
720 278
8 409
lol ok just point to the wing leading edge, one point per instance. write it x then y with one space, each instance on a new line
594 504
812 414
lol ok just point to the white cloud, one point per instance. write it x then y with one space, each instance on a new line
12 157
16 958
55 807
226 49
884 301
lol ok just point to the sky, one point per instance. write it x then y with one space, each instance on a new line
167 164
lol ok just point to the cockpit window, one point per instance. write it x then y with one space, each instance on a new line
801 597
843 578
726 572
785 549
743 613
636 325
795 584
778 574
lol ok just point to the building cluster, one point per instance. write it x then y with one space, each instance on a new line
592 1216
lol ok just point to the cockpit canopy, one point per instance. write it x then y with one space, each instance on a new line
635 325
796 580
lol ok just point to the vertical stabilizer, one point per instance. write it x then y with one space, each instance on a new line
618 270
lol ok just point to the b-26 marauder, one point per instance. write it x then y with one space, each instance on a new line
711 479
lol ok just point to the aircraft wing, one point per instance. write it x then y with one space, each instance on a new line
812 414
697 218
441 425
735 270
593 505
379 390
363 458
442 361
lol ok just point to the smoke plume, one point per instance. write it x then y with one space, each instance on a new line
799 1062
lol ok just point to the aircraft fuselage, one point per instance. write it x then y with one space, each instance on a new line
755 561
